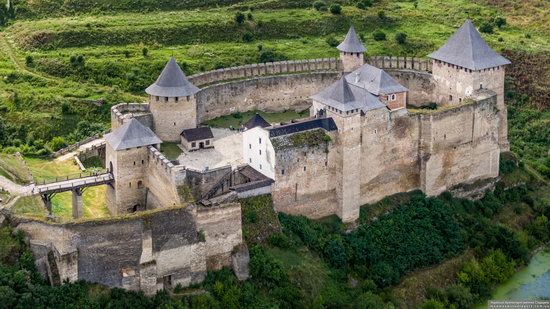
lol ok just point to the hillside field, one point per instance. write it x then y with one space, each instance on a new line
64 63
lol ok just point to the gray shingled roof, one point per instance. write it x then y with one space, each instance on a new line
466 48
352 43
375 80
172 82
255 121
345 97
197 134
132 134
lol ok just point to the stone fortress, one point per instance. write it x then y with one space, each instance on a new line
368 135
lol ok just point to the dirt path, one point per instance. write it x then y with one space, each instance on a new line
6 46
14 188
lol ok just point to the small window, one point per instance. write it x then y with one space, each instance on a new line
282 171
193 144
260 152
177 99
304 168
165 99
260 166
187 98
140 184
249 160
142 162
392 97
249 146
157 98
326 163
480 86
129 185
260 139
207 142
174 124
134 162
450 97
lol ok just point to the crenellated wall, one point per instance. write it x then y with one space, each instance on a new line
162 181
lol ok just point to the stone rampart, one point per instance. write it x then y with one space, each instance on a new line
270 93
264 69
122 112
162 180
394 62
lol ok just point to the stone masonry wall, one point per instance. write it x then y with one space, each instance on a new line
270 94
221 227
160 181
110 251
308 185
460 145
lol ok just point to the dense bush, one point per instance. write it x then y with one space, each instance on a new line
335 8
364 4
379 35
332 41
401 38
239 17
320 5
486 28
500 21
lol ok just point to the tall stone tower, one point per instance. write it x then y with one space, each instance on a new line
344 106
172 102
351 51
466 64
127 159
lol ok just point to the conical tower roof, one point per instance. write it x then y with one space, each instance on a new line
132 134
172 82
466 48
352 43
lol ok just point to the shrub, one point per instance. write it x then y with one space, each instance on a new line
500 21
239 17
382 15
145 52
332 42
486 28
401 38
335 252
29 61
320 5
248 37
249 16
57 143
269 55
127 53
379 35
335 8
364 4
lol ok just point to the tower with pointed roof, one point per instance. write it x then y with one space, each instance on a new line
172 103
127 159
351 51
464 65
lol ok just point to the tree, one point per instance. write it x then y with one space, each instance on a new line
320 5
145 52
3 15
248 37
29 61
486 28
3 132
11 9
364 4
382 15
332 42
500 21
379 35
239 17
57 143
335 8
269 55
401 38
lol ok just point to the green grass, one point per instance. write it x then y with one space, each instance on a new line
49 170
170 150
259 219
31 206
237 119
13 168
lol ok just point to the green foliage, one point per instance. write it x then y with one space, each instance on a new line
332 41
382 15
335 9
239 17
401 38
248 37
500 22
270 55
57 143
145 52
363 4
29 61
320 5
486 28
379 35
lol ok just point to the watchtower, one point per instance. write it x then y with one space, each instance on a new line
351 51
465 64
127 159
172 103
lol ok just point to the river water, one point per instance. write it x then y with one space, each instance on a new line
531 283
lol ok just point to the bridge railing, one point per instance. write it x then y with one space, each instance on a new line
67 185
71 177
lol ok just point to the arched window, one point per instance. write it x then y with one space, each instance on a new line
140 184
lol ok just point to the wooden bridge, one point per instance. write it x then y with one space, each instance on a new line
77 186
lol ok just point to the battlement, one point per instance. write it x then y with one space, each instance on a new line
266 69
124 111
406 63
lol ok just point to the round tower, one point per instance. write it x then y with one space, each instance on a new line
351 51
172 103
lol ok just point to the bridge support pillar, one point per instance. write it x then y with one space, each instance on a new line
77 203
47 198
